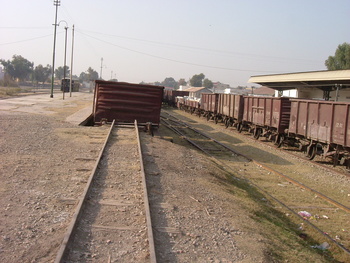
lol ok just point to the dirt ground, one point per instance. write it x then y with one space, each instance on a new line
201 216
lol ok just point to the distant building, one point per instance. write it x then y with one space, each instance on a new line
263 92
236 91
220 87
195 92
333 85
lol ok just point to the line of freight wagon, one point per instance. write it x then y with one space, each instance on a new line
316 127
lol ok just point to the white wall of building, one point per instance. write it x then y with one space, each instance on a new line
315 93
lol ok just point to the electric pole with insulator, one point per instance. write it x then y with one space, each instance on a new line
55 3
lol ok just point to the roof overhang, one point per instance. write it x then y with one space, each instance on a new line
318 79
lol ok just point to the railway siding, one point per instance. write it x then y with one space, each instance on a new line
113 223
287 196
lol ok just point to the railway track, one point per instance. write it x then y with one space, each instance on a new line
112 220
288 194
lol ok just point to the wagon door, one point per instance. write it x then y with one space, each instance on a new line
312 124
298 117
258 111
325 122
340 134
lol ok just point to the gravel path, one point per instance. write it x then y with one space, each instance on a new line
199 215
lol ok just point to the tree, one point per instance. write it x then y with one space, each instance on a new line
341 59
197 80
41 73
59 72
89 75
169 82
19 68
208 83
182 82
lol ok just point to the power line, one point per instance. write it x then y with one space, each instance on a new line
17 27
173 60
255 56
25 40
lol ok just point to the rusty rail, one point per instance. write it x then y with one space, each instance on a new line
70 230
153 258
225 167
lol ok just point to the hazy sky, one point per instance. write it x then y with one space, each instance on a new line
149 40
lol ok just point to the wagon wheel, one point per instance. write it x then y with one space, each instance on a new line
227 123
336 157
280 141
208 117
239 127
277 139
216 118
347 164
230 122
149 128
257 133
311 151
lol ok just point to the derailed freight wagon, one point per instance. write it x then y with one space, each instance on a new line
321 128
126 102
266 116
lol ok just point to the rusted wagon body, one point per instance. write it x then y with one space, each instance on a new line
266 116
322 127
209 105
126 102
209 102
170 96
230 108
192 105
166 94
180 102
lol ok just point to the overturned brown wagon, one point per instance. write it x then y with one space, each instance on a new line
126 102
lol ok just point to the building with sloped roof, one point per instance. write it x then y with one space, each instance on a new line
326 84
263 91
195 92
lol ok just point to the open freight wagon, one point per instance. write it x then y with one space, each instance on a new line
321 128
266 116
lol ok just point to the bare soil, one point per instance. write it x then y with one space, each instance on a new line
199 214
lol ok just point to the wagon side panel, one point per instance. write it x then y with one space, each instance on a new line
125 102
325 122
238 107
340 125
312 120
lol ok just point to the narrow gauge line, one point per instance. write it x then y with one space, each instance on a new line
324 166
288 178
69 233
339 169
68 237
224 167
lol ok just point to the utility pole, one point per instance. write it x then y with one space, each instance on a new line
65 55
101 68
71 65
55 3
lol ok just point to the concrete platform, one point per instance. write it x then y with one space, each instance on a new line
43 104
